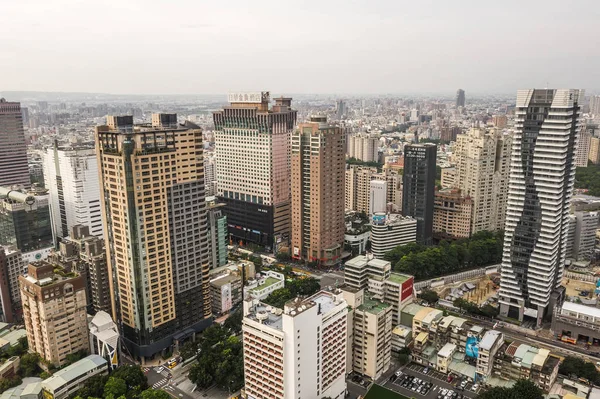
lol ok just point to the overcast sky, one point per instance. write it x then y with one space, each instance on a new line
301 46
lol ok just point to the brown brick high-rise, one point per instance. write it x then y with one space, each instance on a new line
318 176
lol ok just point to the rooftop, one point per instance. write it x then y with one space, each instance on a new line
268 282
379 392
447 350
224 279
73 372
267 315
372 306
412 309
577 308
489 339
399 278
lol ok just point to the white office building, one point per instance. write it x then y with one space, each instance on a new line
298 352
542 172
377 196
390 230
71 175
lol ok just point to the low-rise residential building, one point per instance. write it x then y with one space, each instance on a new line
401 337
226 292
10 367
488 347
30 388
444 357
263 286
516 360
67 381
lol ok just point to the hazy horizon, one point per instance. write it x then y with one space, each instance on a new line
135 47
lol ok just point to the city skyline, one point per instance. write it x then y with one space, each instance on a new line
417 48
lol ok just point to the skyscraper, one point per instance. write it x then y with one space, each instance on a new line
583 149
252 146
595 105
460 98
418 187
363 147
482 168
154 212
542 173
318 173
71 176
13 149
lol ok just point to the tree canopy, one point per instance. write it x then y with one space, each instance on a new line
574 366
220 361
354 161
482 249
126 382
588 178
523 389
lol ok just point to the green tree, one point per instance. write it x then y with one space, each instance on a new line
523 389
133 376
234 321
404 356
429 296
93 387
29 365
188 350
154 394
200 374
6 383
283 257
573 366
115 388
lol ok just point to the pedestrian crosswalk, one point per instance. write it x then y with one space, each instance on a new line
160 383
146 369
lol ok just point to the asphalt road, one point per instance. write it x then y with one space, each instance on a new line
162 381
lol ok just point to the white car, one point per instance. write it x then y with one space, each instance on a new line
398 373
444 391
160 369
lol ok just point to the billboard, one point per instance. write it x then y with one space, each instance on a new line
407 289
472 347
379 218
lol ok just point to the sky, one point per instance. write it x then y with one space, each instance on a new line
301 46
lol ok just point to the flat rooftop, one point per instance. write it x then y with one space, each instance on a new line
268 282
399 278
373 306
489 339
325 300
267 315
577 308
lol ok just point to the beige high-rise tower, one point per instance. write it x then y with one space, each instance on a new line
154 211
482 167
317 163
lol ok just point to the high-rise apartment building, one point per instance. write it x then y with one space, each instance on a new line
460 98
11 267
390 230
582 235
218 236
25 222
296 352
357 187
594 154
371 333
71 176
252 147
85 253
452 214
595 105
542 173
418 187
482 169
154 212
583 149
500 121
13 149
448 177
210 175
318 173
54 311
364 147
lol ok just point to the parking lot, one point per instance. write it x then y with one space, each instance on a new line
418 381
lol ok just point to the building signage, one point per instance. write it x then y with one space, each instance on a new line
407 289
472 347
253 97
